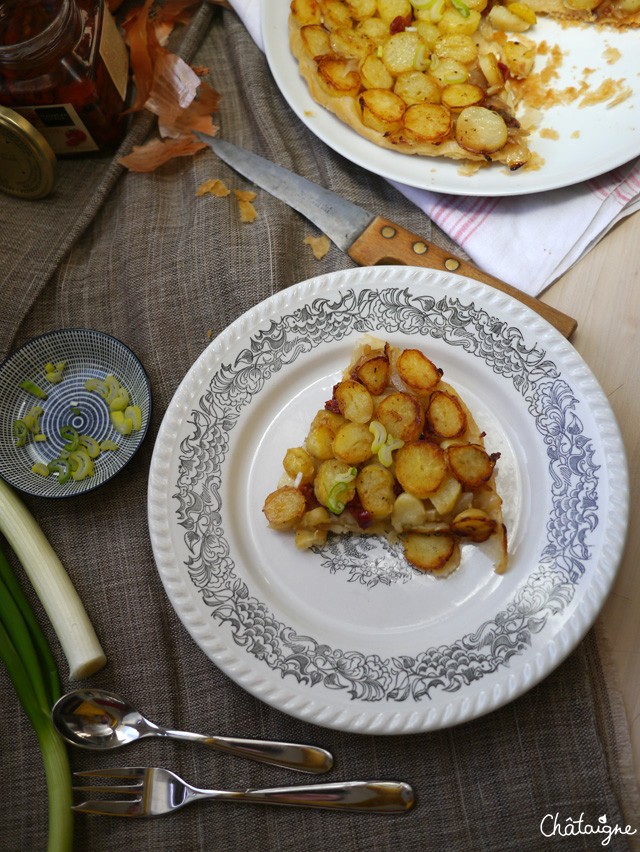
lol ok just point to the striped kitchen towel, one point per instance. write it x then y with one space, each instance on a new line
529 240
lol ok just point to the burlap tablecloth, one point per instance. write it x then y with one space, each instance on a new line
140 257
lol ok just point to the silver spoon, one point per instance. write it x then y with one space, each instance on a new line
98 720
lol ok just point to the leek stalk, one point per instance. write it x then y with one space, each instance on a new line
31 669
52 584
47 663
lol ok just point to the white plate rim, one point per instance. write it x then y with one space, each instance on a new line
585 157
523 670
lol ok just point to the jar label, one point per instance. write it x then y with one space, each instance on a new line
61 126
114 54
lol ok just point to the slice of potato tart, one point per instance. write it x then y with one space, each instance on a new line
394 452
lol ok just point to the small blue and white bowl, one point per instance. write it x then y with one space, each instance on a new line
87 354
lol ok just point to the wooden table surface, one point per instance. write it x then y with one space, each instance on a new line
602 292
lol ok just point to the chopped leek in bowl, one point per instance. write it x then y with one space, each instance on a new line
75 406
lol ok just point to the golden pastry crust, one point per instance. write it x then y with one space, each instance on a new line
395 452
622 14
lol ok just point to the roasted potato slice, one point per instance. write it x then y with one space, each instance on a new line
337 77
470 464
374 73
314 518
454 23
374 373
351 43
390 9
457 46
474 524
352 443
408 512
319 442
298 462
481 130
429 552
362 9
491 70
375 488
325 417
461 95
336 14
444 500
417 372
382 110
374 28
420 468
400 51
402 416
331 474
427 30
310 538
354 401
503 20
306 12
427 123
284 507
316 40
417 87
445 416
476 5
519 58
448 71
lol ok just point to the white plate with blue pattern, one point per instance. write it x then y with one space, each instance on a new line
350 636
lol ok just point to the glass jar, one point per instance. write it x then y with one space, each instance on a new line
64 67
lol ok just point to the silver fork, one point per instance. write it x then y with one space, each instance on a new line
158 791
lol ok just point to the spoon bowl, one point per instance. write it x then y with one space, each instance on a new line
98 720
101 721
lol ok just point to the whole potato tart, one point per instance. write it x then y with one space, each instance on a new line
394 452
437 78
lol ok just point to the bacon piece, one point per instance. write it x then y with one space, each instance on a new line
362 516
400 23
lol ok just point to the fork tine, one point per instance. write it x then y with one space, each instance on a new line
137 772
129 807
124 788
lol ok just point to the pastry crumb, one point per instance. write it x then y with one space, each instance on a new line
611 55
214 187
610 90
245 198
319 246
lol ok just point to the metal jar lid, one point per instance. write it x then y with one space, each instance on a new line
28 166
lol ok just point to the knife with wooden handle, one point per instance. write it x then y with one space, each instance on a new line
369 240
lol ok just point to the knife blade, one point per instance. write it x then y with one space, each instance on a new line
367 239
